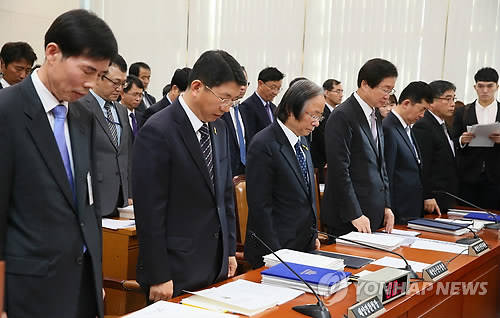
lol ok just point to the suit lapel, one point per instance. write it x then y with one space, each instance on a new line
123 119
442 134
230 126
80 150
97 110
365 126
404 135
310 170
43 137
216 150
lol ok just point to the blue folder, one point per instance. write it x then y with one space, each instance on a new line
438 224
481 216
313 275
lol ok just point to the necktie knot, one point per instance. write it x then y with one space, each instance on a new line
203 129
107 105
59 112
132 115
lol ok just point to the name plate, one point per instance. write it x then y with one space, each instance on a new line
368 308
435 272
478 248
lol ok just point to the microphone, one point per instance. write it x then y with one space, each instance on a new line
317 310
407 267
495 226
469 240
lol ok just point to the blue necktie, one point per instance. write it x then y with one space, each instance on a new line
239 131
134 124
302 162
59 113
269 112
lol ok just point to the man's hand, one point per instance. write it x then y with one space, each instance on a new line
130 201
103 294
495 137
362 224
388 220
466 138
317 244
163 291
4 315
430 205
232 265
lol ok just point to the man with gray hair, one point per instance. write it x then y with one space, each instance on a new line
280 179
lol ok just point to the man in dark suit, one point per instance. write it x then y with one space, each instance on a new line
237 122
131 98
178 85
16 60
183 192
112 140
357 188
438 150
143 72
333 93
402 154
259 106
50 230
280 177
479 167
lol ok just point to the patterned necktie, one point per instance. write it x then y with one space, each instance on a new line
206 150
59 113
443 125
302 162
373 125
239 132
111 124
134 124
269 112
408 132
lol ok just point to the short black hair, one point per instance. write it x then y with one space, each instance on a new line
296 97
180 78
119 61
439 87
270 74
417 92
486 74
80 32
295 80
329 83
393 99
132 80
215 68
136 67
375 70
166 89
16 51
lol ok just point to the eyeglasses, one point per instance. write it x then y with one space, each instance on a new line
315 117
448 99
273 88
116 84
224 101
337 91
387 91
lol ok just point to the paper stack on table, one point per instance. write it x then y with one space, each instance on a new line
390 242
117 224
291 256
162 309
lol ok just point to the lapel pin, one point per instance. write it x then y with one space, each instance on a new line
305 147
215 130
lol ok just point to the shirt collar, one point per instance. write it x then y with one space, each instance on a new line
492 105
100 100
130 111
290 135
398 116
168 98
367 109
440 121
262 100
4 83
48 100
196 123
330 107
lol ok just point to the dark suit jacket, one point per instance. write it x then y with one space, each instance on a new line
237 167
164 102
357 182
186 229
258 118
470 159
318 150
404 171
439 167
112 165
282 208
142 106
42 229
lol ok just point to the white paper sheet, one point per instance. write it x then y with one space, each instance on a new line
162 309
481 133
404 232
117 224
440 246
399 263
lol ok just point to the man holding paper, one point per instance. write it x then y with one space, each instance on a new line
478 167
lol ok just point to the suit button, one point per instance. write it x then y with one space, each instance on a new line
116 173
216 235
381 190
79 260
82 224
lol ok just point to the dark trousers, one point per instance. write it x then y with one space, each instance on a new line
485 194
87 306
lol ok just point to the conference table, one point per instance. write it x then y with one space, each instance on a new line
424 299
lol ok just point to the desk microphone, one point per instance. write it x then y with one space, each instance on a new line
495 226
317 310
469 240
407 267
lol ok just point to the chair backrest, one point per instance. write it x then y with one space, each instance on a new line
241 207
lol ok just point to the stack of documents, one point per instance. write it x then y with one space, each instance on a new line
439 226
127 212
482 133
291 256
388 242
242 297
117 224
162 309
324 281
400 263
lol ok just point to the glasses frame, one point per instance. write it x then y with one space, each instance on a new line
318 118
224 101
448 99
115 85
272 88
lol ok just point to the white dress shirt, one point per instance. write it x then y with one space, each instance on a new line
233 117
4 83
486 115
196 123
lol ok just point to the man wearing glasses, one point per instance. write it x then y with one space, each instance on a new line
357 189
183 191
112 139
437 148
479 167
259 106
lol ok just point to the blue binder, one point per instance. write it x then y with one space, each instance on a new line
438 225
312 275
481 216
